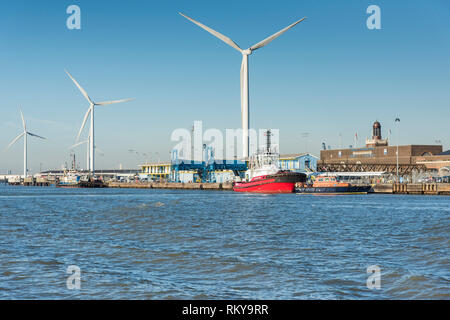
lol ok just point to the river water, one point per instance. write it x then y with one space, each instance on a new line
176 244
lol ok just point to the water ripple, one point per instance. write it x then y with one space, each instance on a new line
174 244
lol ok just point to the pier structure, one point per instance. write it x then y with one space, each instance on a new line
15 180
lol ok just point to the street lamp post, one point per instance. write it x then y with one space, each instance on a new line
305 135
397 120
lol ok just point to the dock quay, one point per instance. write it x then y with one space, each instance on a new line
388 188
173 185
413 188
380 188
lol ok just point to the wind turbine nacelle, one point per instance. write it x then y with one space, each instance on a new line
247 52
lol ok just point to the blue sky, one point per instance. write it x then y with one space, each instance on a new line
329 75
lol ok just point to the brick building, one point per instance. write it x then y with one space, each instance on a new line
378 156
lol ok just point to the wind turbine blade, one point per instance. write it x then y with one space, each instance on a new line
104 103
35 135
79 87
84 122
215 33
15 140
23 120
77 144
274 36
99 150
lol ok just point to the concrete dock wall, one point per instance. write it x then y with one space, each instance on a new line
383 188
172 185
396 188
412 188
400 188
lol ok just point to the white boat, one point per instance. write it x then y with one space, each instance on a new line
70 179
16 180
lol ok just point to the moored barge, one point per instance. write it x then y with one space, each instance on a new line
331 186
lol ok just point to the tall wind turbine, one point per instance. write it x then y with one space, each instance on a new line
90 112
244 73
24 134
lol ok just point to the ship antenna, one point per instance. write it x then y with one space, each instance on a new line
268 140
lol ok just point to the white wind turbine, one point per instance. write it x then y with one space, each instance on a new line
244 73
24 134
90 112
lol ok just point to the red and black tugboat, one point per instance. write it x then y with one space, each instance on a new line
264 175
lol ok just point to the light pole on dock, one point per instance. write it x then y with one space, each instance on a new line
397 121
305 136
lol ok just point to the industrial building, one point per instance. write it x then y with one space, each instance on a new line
156 171
299 162
378 156
185 170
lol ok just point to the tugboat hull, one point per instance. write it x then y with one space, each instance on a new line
275 183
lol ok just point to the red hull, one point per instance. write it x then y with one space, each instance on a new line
265 186
282 182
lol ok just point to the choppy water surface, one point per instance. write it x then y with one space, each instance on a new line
164 244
